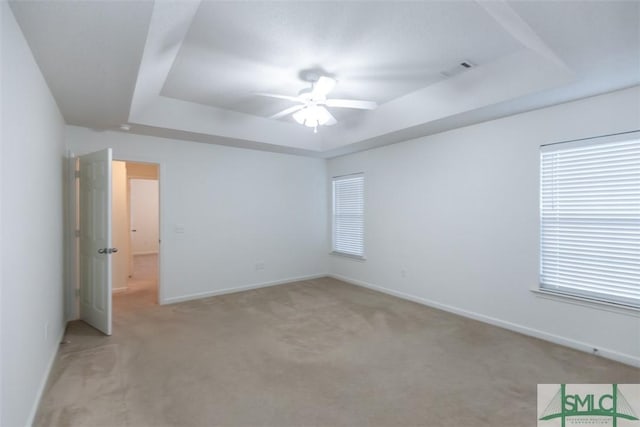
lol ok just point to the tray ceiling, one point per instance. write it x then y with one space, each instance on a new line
379 52
190 69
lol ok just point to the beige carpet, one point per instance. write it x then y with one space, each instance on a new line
312 353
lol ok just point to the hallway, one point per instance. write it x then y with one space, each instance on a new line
142 289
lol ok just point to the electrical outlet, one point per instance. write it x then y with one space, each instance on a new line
403 273
260 265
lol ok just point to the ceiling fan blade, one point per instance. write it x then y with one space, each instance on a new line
322 87
331 120
351 103
275 95
287 111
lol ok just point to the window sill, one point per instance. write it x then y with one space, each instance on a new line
587 302
346 255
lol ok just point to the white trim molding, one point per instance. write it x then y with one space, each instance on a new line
199 295
586 302
45 377
346 255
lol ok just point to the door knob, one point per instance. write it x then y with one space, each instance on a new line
107 250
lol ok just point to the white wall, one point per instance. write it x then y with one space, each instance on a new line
32 223
458 211
119 226
144 216
237 208
3 11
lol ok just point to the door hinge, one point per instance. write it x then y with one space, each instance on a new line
77 233
77 292
76 174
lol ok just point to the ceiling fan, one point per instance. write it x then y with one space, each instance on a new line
312 105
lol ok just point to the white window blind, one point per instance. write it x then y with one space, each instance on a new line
348 215
590 218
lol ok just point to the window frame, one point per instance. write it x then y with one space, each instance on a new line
581 298
334 251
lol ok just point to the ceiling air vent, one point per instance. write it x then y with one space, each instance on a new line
463 66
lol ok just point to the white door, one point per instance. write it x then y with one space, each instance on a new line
95 240
144 216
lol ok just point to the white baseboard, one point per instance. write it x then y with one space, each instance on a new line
199 295
627 359
45 379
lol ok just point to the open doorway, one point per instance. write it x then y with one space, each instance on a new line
136 233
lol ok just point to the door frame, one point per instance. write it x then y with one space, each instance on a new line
160 209
72 303
72 238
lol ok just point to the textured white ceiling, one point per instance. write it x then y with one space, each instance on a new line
599 40
377 50
89 53
187 69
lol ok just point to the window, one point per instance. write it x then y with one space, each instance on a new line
348 215
590 218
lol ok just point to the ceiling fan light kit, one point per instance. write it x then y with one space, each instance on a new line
312 111
312 116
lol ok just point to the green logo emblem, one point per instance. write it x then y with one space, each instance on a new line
606 406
